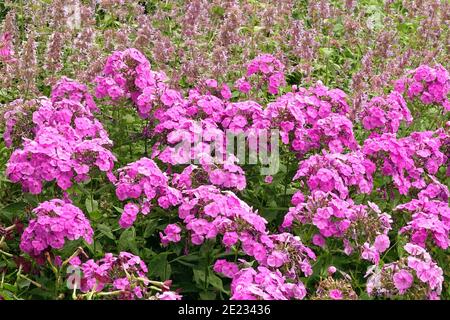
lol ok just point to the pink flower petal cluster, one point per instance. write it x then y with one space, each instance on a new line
55 222
126 273
144 182
51 156
434 190
171 234
227 176
127 75
337 172
384 114
403 281
67 89
191 140
362 227
184 147
416 276
207 212
228 269
406 159
265 69
335 133
286 252
429 218
67 140
243 117
264 284
296 115
221 90
429 85
336 294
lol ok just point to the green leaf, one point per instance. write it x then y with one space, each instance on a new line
120 210
7 295
91 205
127 241
158 266
215 282
106 230
270 214
23 283
150 228
13 210
207 295
327 52
9 287
199 276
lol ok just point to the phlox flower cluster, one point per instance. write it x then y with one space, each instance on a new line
337 172
427 149
243 117
427 84
265 70
207 212
56 221
384 114
264 284
312 118
416 276
200 105
429 219
127 75
286 252
360 227
202 122
181 119
211 86
67 143
227 175
334 133
407 159
333 288
125 274
68 89
172 233
143 182
434 190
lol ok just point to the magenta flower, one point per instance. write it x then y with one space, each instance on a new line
403 280
55 222
336 294
382 243
171 234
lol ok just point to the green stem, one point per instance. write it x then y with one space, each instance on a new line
6 253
